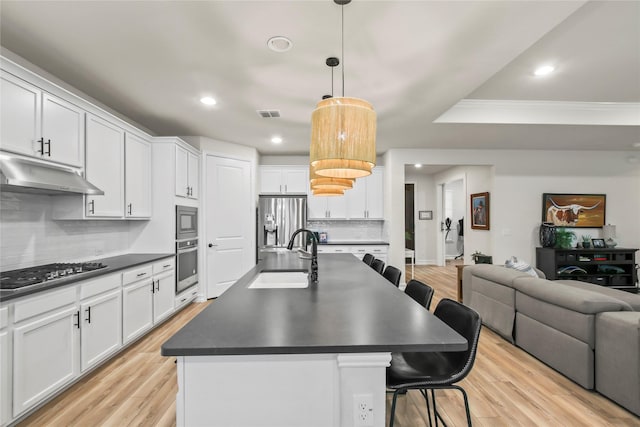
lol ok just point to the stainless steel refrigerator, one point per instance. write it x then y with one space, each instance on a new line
278 218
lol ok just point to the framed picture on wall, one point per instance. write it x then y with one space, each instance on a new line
574 210
480 211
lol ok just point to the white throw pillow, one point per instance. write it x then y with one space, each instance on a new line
520 266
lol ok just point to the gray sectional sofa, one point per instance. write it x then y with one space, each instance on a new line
587 332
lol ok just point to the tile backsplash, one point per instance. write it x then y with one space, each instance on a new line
29 236
351 230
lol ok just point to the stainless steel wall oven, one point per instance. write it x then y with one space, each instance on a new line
186 247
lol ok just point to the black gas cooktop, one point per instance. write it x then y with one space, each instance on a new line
16 279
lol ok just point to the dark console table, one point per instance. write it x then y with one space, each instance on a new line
613 267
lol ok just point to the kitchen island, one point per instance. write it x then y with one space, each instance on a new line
299 357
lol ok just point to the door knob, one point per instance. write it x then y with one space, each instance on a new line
212 245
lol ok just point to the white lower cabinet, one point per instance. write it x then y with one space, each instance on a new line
45 343
101 327
378 251
137 308
148 297
164 291
5 367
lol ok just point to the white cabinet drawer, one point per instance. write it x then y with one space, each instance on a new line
164 265
44 302
100 285
133 275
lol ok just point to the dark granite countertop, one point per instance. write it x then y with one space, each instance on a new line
352 309
115 263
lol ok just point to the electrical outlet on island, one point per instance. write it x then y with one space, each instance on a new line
363 410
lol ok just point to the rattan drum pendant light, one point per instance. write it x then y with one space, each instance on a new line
318 182
343 133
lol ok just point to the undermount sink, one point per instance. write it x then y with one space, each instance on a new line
280 280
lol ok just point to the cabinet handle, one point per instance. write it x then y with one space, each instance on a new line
88 318
41 151
141 274
92 207
166 266
158 285
285 188
130 207
153 286
77 321
48 144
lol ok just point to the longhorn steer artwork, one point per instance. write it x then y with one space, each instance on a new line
574 210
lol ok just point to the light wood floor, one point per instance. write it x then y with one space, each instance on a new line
506 387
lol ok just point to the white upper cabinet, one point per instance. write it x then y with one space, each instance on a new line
137 177
38 124
20 114
62 131
284 179
326 207
187 173
365 200
105 168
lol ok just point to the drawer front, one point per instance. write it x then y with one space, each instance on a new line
135 274
164 265
100 285
41 303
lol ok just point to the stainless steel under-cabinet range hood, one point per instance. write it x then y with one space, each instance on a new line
23 175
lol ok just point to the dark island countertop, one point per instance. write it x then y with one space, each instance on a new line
113 264
352 309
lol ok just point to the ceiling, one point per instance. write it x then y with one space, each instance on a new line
413 60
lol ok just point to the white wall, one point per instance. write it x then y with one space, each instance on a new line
516 180
425 230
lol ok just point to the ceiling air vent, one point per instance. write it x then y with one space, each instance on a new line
267 114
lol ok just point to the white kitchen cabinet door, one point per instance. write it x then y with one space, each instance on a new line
5 367
63 131
137 309
194 175
357 199
326 207
337 206
45 358
20 115
375 194
101 331
284 179
316 206
295 180
105 168
182 172
164 295
270 180
365 200
187 173
137 177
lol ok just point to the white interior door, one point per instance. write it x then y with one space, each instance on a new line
228 223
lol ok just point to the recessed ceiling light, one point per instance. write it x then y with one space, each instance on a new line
279 44
276 140
207 100
418 165
544 70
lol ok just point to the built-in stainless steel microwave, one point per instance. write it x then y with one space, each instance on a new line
186 222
